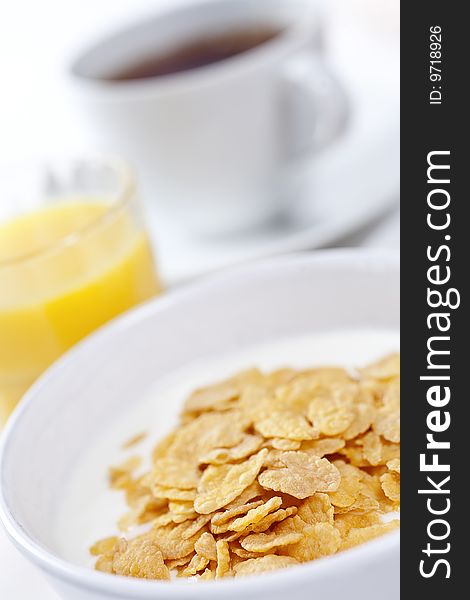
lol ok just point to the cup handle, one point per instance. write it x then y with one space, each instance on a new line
316 106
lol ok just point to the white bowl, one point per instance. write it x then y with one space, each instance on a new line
71 405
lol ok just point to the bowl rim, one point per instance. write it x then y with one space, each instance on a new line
121 587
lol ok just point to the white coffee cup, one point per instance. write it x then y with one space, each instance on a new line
216 147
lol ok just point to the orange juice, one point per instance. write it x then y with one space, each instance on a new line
64 271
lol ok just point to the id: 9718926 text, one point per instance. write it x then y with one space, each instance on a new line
435 64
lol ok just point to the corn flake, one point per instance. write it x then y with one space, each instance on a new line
219 456
364 534
264 564
171 542
134 440
221 518
391 485
283 444
254 490
345 522
174 563
323 447
182 507
120 477
140 557
223 559
196 564
160 491
321 539
263 542
287 425
175 473
220 484
206 546
208 431
333 412
206 575
274 517
255 515
316 509
104 546
303 475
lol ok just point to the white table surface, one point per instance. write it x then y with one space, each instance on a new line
19 580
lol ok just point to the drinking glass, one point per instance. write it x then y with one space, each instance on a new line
74 253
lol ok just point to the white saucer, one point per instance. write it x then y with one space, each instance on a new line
352 183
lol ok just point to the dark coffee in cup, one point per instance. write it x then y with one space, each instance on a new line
195 54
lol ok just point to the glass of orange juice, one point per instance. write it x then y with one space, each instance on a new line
75 255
